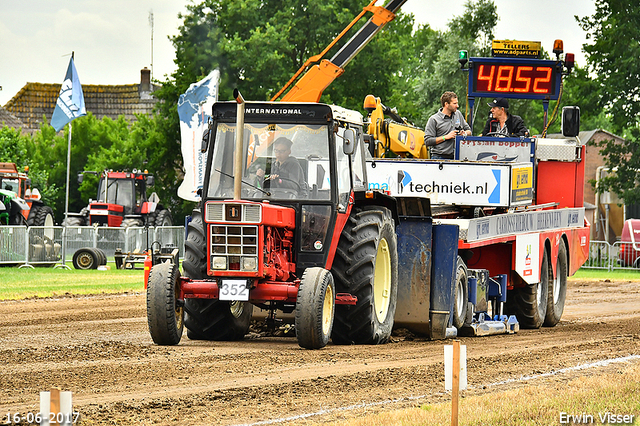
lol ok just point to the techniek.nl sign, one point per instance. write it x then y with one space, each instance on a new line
460 184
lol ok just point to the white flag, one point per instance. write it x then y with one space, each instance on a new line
194 109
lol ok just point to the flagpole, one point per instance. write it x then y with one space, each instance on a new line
66 198
70 105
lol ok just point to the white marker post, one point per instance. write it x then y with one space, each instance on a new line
56 408
455 374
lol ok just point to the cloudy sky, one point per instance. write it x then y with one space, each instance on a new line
112 38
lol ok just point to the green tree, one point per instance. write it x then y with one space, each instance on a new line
615 33
472 31
19 148
258 45
613 95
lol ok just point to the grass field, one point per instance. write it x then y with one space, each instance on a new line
48 282
532 405
603 274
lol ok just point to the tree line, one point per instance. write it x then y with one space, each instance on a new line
259 44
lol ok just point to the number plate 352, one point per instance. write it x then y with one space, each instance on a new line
233 290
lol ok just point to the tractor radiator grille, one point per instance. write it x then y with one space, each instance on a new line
233 212
234 247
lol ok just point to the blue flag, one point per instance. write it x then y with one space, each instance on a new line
70 103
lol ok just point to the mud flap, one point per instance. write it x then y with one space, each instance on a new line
426 280
414 277
445 256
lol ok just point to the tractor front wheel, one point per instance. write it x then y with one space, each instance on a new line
366 266
164 315
315 307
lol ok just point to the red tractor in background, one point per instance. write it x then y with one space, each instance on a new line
19 203
122 202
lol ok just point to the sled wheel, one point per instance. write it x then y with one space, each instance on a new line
315 307
164 315
529 303
366 266
557 289
461 299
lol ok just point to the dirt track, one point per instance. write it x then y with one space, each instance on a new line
99 348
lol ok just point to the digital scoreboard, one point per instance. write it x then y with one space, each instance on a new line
514 78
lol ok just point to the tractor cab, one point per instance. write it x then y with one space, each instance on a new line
288 158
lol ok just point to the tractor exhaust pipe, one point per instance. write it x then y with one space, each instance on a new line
237 164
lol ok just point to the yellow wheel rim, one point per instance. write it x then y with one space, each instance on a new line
327 310
382 281
177 309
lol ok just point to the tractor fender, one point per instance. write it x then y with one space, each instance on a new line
148 207
376 198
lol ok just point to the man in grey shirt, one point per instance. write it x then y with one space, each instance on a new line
443 126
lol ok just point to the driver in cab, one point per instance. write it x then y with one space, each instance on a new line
286 172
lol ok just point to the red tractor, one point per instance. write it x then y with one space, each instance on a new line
122 202
19 203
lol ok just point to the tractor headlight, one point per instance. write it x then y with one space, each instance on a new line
218 262
249 264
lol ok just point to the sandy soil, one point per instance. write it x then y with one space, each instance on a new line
100 349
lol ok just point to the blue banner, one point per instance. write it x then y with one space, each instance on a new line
70 104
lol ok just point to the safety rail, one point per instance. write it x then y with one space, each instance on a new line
619 255
39 245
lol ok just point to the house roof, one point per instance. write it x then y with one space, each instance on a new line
36 100
585 136
9 120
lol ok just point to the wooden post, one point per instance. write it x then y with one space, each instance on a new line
455 388
55 405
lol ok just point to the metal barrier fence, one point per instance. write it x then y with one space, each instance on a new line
39 245
35 245
618 255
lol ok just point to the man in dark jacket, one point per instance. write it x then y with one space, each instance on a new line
503 123
286 171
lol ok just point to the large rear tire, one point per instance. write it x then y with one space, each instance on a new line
366 266
163 218
40 216
315 307
529 303
461 299
558 288
131 222
164 316
207 319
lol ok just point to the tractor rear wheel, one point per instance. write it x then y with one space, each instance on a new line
461 299
315 307
135 222
163 218
85 258
529 303
164 316
366 266
40 215
557 289
207 319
